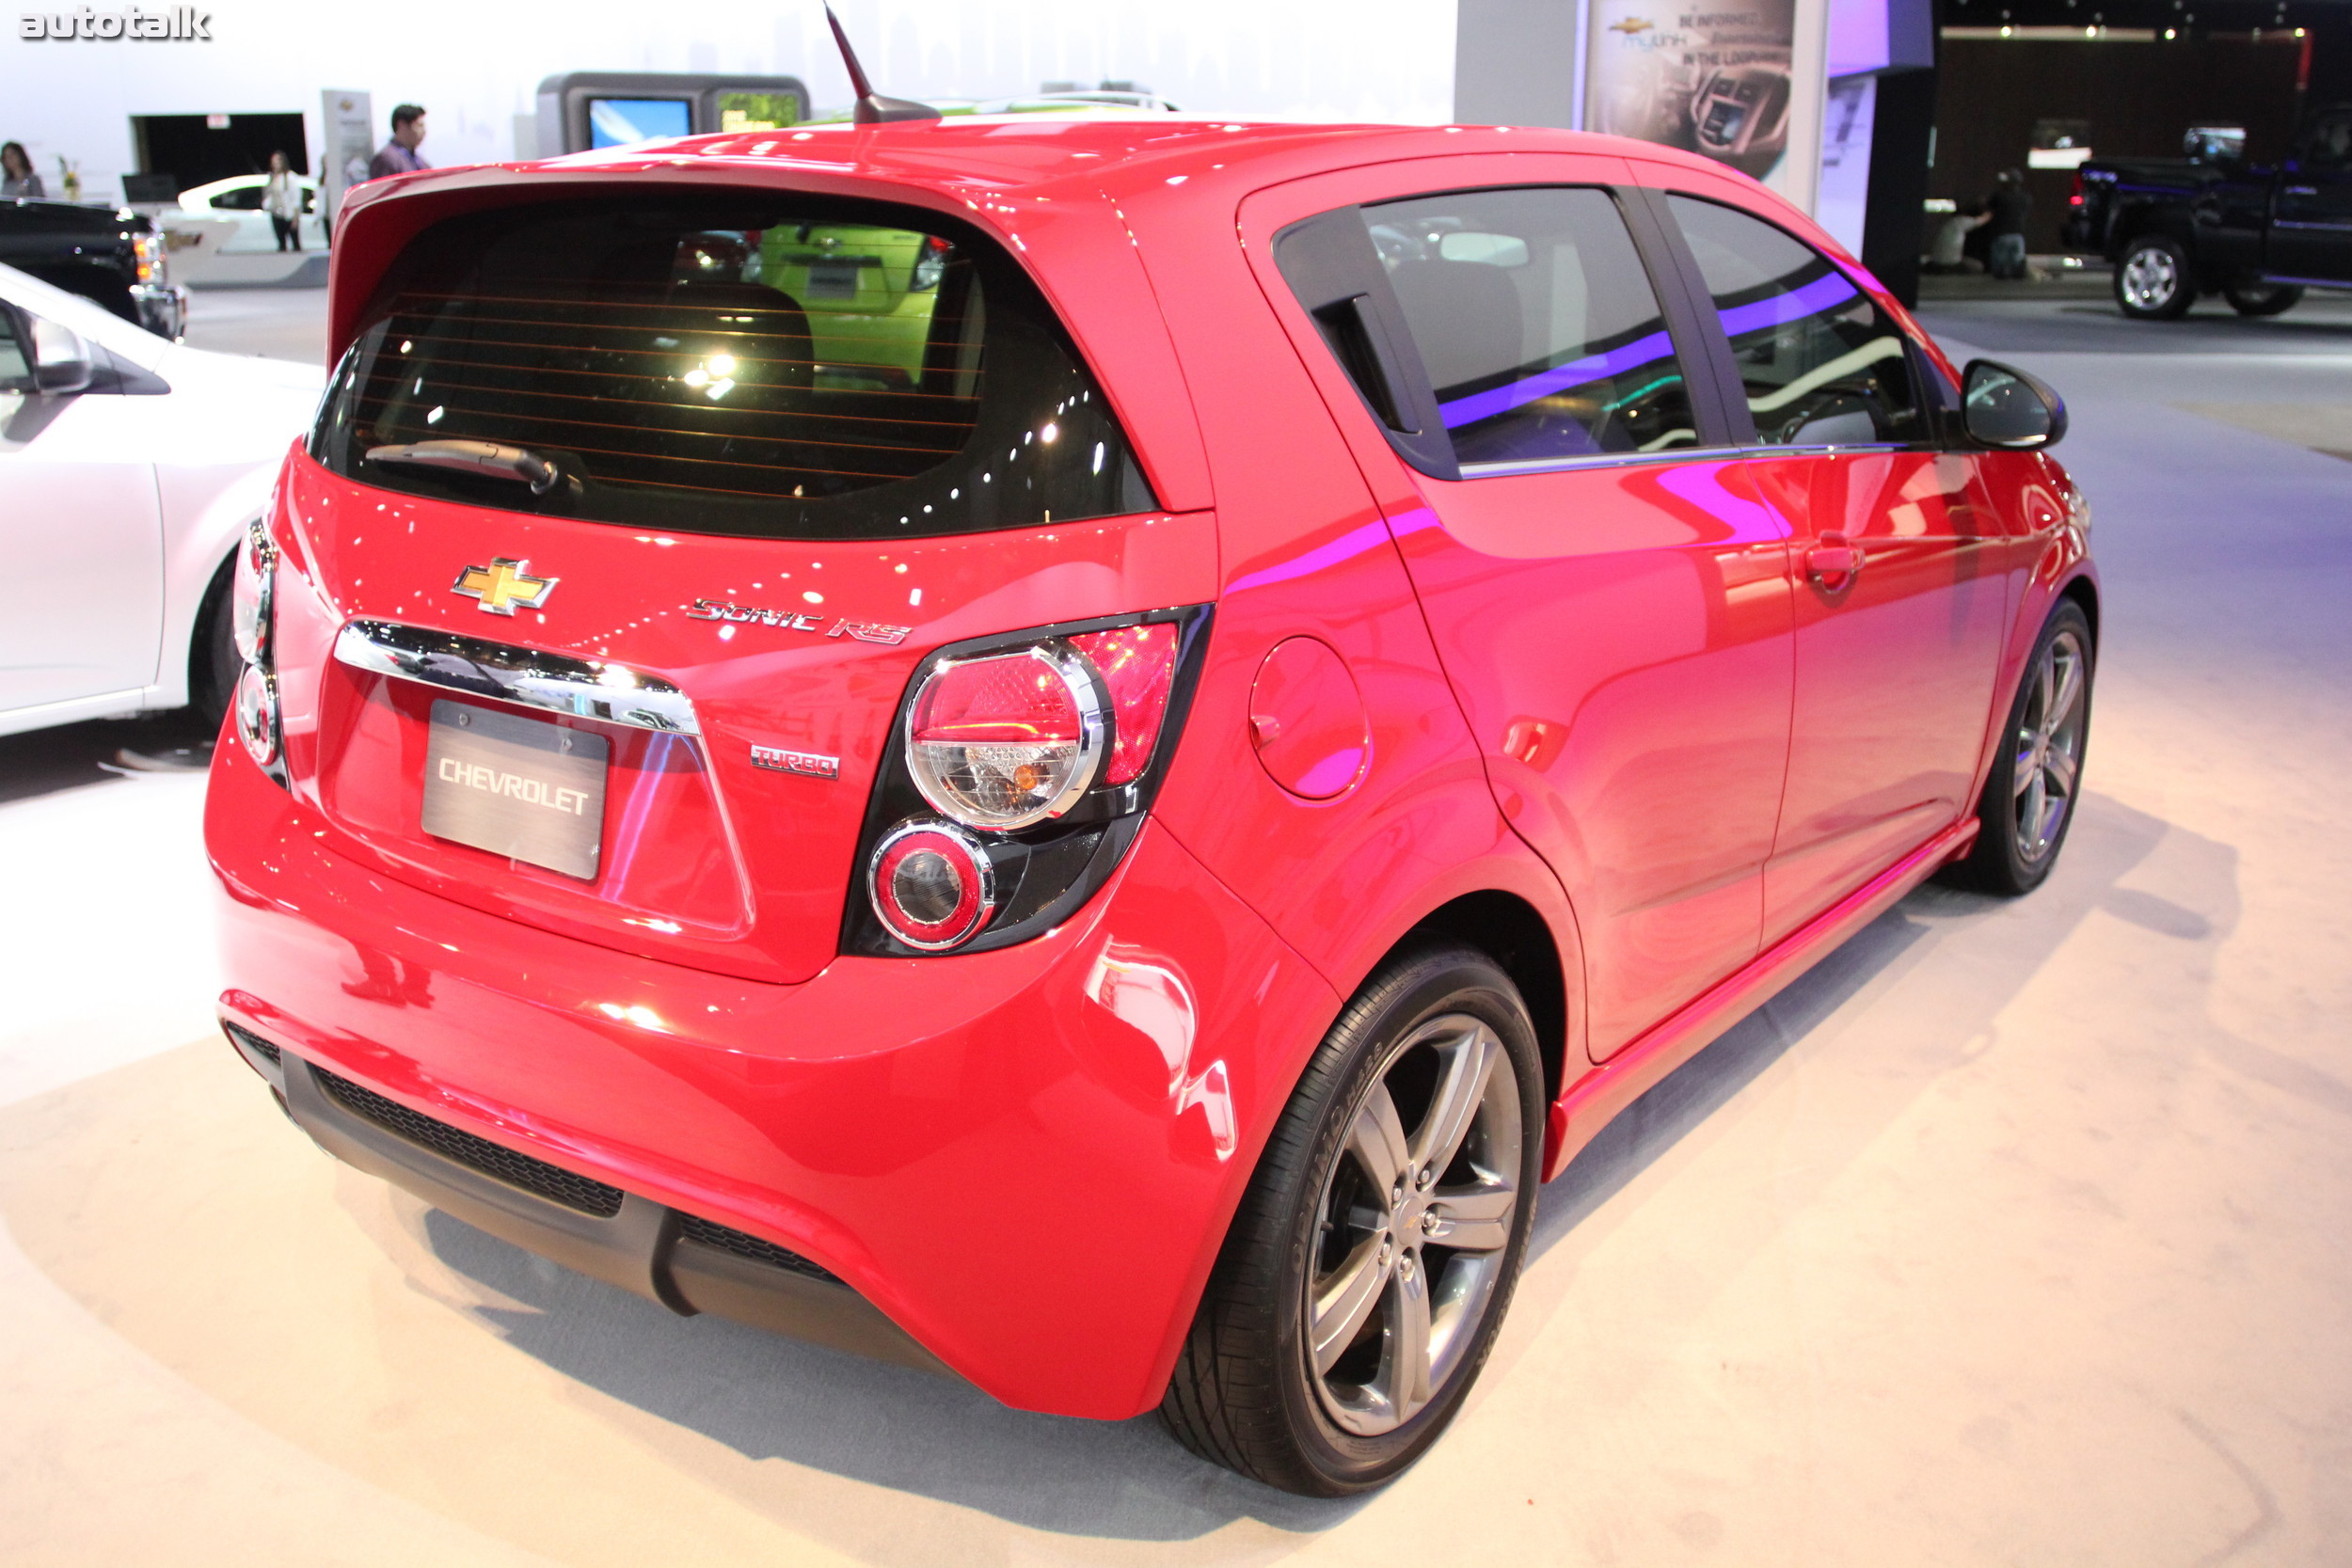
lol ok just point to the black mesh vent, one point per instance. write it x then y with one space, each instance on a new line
253 1042
711 1234
536 1177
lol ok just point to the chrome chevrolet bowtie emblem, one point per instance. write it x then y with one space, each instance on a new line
504 584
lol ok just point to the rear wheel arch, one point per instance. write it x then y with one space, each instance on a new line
210 684
1514 933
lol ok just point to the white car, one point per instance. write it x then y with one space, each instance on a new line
129 468
239 199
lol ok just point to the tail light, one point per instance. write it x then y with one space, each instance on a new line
148 249
250 588
2075 191
251 584
931 885
1009 740
257 715
1025 766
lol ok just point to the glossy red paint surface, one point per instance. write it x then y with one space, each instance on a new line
1619 697
1306 717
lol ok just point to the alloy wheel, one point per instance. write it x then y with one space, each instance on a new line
2151 278
2049 746
1414 1226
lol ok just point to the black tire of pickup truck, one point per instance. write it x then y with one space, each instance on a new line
2263 299
2155 279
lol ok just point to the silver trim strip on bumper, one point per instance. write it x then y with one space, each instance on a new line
553 683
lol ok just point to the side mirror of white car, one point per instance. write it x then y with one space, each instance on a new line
62 361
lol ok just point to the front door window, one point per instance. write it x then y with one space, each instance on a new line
1821 364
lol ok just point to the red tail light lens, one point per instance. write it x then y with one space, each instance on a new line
931 885
250 586
1008 741
1138 668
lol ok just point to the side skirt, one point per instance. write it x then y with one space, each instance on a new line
1592 1101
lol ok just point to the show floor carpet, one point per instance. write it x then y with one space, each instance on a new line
2014 1234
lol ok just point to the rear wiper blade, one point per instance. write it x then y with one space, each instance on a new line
488 459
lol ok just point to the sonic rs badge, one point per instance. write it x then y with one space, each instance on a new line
503 585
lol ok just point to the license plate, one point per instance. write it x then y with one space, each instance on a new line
831 279
515 786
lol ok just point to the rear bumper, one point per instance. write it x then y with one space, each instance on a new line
1019 1162
686 1263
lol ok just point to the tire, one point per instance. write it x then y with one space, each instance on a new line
2263 299
2036 781
2154 279
213 663
1441 1038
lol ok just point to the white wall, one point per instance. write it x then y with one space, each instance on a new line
474 66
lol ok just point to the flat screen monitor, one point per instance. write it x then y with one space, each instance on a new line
618 122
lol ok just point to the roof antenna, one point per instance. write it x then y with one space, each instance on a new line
872 108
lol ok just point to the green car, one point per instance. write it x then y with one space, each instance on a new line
869 294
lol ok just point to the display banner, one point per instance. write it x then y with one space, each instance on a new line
1708 79
1739 81
348 123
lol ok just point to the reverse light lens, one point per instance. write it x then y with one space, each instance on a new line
249 588
1008 741
931 885
256 714
1139 669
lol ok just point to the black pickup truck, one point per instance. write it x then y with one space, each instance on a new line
2211 223
112 256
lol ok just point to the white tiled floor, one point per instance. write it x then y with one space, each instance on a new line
2015 1234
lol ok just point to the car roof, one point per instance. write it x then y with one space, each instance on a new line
214 187
1019 152
988 166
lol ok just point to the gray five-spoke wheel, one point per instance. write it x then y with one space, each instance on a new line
1413 1226
2049 747
2151 277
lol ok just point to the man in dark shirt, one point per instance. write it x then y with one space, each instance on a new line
2009 206
399 155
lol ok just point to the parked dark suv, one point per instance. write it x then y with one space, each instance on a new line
2213 223
109 255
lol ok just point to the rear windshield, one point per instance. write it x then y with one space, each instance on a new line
753 364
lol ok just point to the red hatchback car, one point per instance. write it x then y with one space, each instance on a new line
1081 751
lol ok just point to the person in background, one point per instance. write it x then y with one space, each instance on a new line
282 198
2009 206
17 178
1951 251
399 155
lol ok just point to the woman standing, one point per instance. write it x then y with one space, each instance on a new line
17 178
282 200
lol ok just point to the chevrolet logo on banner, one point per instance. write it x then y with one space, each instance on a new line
504 584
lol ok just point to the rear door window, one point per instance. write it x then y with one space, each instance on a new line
751 365
1537 323
1820 362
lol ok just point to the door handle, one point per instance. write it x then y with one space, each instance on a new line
1834 561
